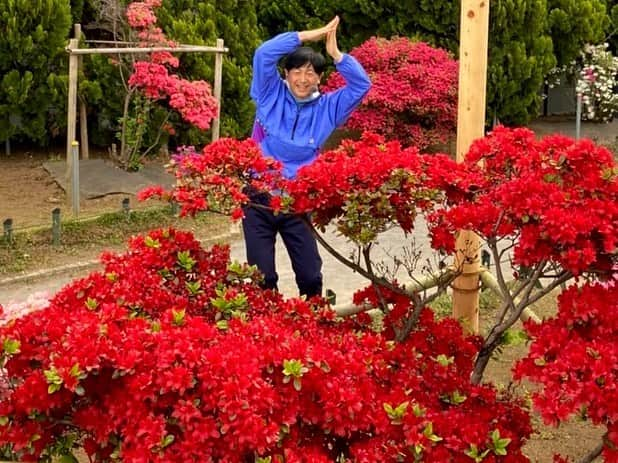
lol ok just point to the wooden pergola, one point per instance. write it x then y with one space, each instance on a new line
75 53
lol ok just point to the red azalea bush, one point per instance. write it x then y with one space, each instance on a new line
173 354
557 197
413 97
218 177
573 357
192 99
554 201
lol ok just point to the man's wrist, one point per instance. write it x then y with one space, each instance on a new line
337 58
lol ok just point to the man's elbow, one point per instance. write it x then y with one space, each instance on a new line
366 85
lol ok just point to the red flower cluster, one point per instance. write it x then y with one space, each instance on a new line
574 358
413 98
192 99
366 186
218 178
557 196
173 354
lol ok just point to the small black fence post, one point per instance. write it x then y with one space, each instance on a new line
8 231
175 208
56 226
126 207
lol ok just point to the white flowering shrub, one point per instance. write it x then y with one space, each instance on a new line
597 83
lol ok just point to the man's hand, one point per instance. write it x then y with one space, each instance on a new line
314 35
331 46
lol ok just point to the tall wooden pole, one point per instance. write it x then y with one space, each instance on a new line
474 33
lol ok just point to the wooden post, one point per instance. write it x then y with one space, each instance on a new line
71 116
474 33
216 124
83 119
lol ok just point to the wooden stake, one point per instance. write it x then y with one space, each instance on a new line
474 34
216 123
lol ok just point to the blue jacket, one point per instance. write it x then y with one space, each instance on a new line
292 132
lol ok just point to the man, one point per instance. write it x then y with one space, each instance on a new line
293 120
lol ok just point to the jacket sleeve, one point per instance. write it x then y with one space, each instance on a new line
344 100
266 77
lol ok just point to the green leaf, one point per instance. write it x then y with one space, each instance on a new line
458 398
444 360
178 317
429 434
152 243
167 440
499 444
53 388
91 303
473 452
397 413
11 346
418 410
222 324
193 287
513 337
185 261
75 371
4 420
294 368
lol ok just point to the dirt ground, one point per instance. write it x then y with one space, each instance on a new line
28 195
575 438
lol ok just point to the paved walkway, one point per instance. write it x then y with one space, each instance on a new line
337 277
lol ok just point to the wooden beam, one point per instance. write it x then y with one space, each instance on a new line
114 51
474 34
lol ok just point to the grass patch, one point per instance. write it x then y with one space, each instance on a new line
84 239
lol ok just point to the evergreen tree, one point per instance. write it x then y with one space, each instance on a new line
520 55
612 25
574 23
202 22
33 68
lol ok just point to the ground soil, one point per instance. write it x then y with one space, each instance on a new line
575 438
28 195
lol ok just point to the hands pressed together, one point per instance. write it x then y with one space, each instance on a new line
329 34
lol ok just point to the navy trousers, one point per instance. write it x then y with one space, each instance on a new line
260 227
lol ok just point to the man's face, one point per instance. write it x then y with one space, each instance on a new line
303 81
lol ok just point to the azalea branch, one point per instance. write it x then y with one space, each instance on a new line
367 257
357 268
158 137
517 304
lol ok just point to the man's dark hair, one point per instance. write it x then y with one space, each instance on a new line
305 55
